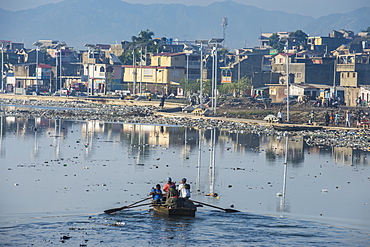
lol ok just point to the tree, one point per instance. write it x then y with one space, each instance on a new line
144 41
367 30
299 39
274 42
236 88
190 86
242 85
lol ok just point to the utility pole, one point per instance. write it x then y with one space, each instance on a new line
201 43
224 25
37 44
2 67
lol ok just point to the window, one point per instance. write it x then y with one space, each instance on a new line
102 69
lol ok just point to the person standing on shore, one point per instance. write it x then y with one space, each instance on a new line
280 116
312 117
162 101
348 119
332 118
336 119
327 119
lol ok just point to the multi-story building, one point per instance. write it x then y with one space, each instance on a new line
166 69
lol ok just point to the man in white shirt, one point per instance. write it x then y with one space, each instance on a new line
184 189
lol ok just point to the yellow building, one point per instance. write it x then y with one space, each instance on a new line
165 69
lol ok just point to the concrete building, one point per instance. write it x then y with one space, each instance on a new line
166 70
354 69
309 70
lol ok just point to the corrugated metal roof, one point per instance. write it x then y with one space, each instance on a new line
168 54
114 58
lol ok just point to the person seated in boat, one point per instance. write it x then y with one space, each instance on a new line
184 189
172 192
167 185
156 193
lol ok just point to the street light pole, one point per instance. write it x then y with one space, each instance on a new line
2 68
133 72
287 87
215 42
88 71
60 71
201 42
141 68
215 88
201 74
187 69
213 78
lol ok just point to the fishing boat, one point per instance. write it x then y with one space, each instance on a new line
295 128
175 207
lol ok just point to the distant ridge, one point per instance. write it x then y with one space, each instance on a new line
94 21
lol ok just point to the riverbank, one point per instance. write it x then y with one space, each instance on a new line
148 112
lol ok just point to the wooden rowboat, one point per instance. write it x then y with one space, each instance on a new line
175 207
296 128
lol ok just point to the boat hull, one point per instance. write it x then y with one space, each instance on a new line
296 128
168 211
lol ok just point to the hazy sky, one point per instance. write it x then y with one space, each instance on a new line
315 8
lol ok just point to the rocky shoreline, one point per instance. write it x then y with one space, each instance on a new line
148 114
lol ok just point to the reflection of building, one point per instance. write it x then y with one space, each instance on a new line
349 156
149 134
275 145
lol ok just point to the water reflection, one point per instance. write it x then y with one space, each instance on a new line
246 170
2 132
141 137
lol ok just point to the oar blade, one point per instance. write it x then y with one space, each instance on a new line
229 210
113 210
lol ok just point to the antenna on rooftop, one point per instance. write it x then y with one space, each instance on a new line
224 25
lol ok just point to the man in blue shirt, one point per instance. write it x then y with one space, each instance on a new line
156 193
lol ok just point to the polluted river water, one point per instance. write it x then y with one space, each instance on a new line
58 177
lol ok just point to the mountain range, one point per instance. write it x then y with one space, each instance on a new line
78 22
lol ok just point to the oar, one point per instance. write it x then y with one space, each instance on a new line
228 210
139 205
109 211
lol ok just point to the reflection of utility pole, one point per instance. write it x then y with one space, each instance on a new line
1 134
282 201
199 157
212 160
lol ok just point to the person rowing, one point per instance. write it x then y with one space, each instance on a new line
156 193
